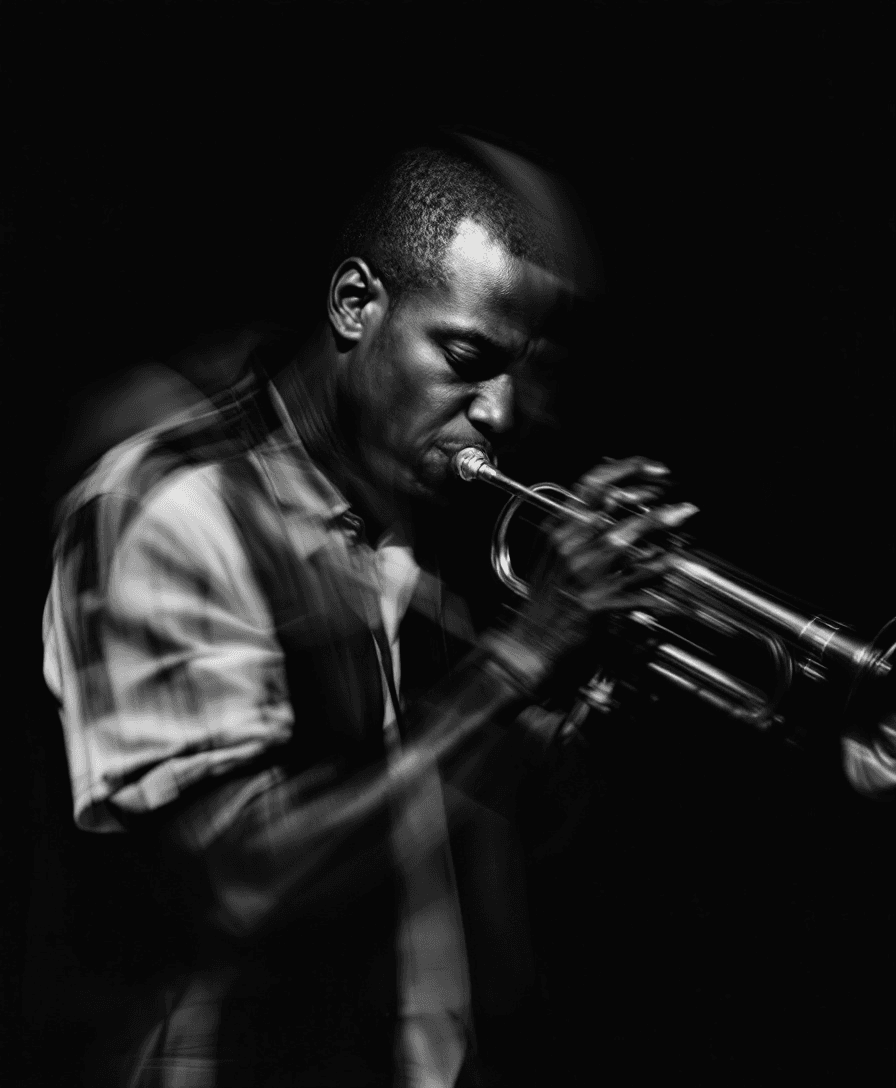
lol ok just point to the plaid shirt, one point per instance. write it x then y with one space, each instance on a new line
160 643
185 563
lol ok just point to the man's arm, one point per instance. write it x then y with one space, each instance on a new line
191 655
324 837
159 650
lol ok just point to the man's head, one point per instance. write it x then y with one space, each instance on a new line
404 225
439 292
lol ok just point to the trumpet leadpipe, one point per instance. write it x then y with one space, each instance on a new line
472 464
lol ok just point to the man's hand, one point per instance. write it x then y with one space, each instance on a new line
594 571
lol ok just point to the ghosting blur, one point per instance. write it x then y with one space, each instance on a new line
282 678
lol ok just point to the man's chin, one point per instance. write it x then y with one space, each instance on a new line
435 481
422 482
433 489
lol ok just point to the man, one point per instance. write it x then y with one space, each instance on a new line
262 673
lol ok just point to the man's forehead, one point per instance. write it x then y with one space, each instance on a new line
485 281
473 251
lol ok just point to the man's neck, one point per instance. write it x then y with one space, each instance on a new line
309 391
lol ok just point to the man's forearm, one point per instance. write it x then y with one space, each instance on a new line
312 840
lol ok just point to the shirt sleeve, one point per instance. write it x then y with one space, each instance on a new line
164 659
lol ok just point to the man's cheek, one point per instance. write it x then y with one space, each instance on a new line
435 467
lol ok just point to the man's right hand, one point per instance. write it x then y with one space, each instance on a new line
594 571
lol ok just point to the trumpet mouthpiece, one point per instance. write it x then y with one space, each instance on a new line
468 463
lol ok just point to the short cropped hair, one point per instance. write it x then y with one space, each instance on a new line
404 224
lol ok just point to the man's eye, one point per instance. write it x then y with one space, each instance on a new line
473 366
461 360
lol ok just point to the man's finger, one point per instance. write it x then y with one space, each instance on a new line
570 537
592 487
645 572
627 533
628 497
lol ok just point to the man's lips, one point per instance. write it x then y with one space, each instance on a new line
451 451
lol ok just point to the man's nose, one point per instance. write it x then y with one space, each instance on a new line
492 407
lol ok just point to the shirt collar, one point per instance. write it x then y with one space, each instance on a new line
308 488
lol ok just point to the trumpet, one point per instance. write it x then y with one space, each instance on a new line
716 597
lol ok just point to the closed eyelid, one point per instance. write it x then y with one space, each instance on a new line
477 367
473 340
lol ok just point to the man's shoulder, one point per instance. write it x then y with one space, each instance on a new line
131 475
165 478
195 483
208 431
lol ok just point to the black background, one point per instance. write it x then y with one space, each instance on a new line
172 168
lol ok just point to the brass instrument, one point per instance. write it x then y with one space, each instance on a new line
715 596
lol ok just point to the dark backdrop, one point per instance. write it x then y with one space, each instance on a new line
173 168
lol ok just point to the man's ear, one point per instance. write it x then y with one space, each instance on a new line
357 299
